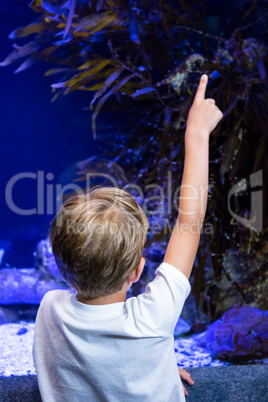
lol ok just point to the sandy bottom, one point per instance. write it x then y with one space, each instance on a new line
16 342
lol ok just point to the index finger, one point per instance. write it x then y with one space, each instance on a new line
201 90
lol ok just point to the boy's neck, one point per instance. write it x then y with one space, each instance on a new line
117 297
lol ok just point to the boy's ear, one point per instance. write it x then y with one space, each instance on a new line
135 275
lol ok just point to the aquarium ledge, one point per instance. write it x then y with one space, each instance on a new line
230 383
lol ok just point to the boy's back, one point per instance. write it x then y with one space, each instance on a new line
97 346
115 352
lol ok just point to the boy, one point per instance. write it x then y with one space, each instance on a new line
95 345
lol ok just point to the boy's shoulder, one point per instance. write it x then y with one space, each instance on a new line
168 270
52 296
161 303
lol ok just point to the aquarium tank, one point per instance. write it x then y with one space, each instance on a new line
130 70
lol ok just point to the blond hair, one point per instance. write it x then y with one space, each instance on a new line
98 240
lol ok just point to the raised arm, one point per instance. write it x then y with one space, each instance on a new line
203 117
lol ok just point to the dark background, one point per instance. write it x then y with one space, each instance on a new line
36 135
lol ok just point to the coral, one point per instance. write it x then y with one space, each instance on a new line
242 332
45 261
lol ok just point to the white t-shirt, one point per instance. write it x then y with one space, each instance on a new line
120 352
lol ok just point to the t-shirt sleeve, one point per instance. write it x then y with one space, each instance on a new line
161 304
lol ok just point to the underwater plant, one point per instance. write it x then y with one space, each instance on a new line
149 55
